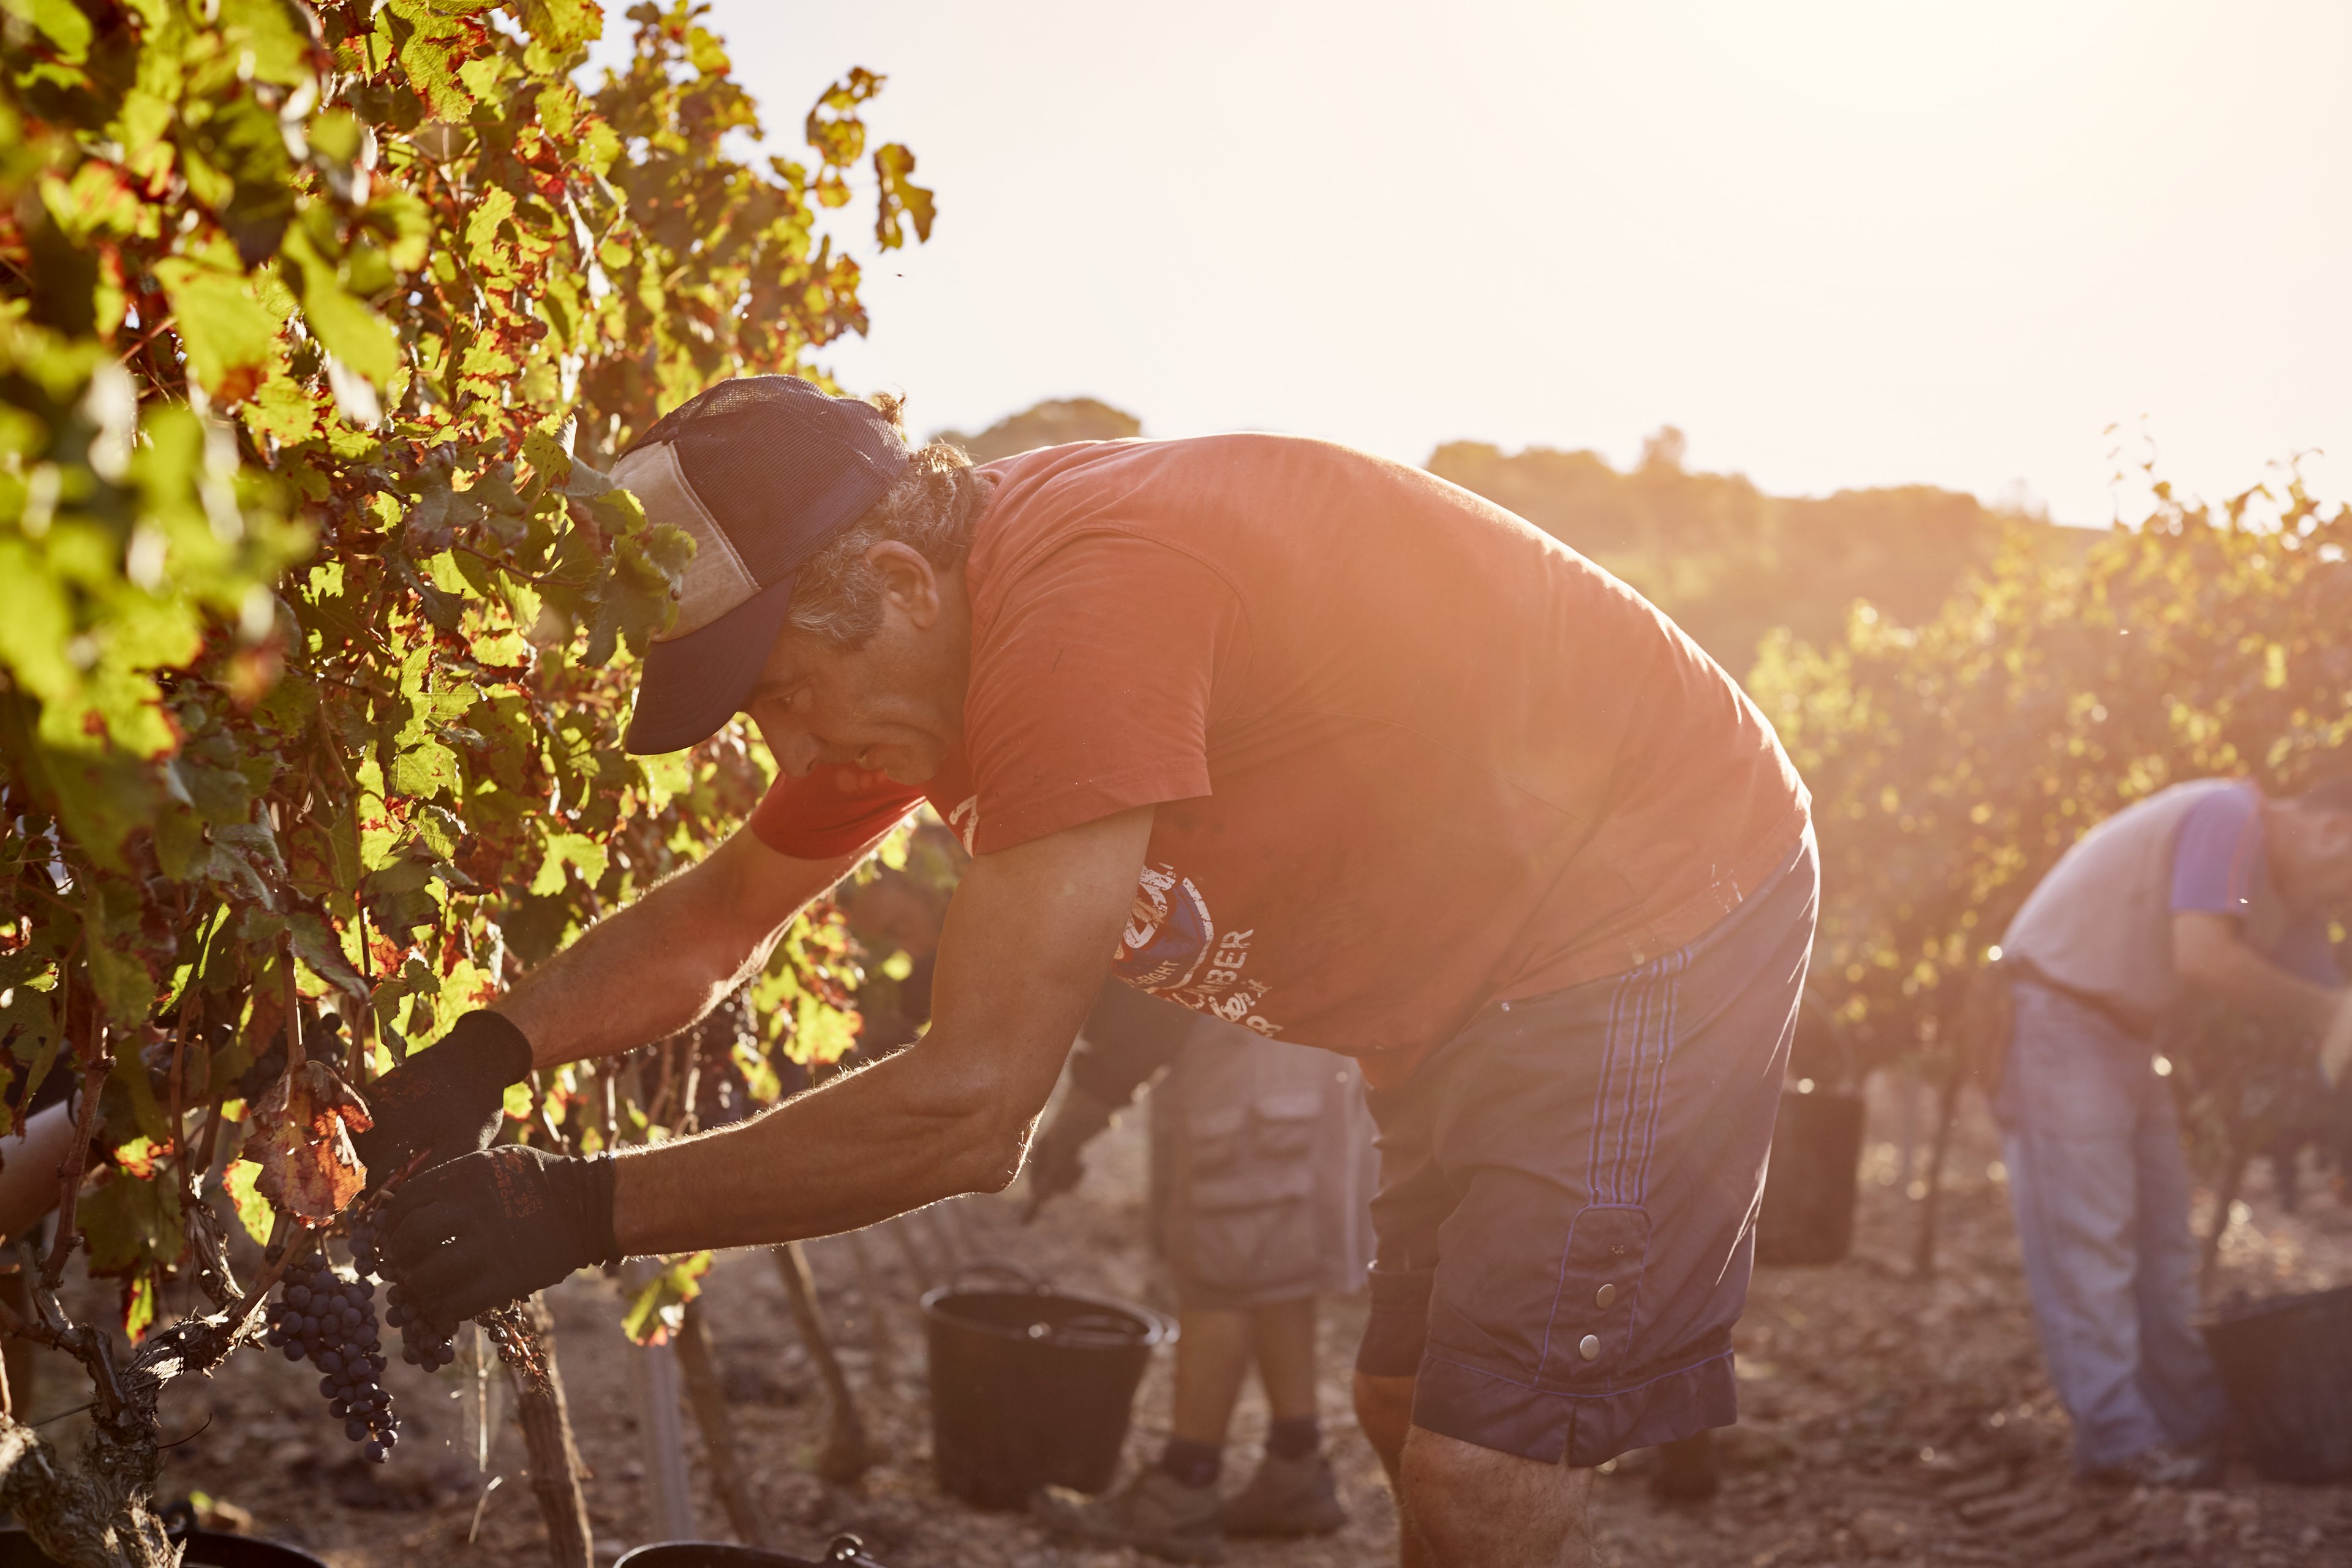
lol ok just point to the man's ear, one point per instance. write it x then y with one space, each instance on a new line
908 581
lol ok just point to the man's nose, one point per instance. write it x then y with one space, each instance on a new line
801 754
797 751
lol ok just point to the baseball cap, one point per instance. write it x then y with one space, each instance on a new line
762 472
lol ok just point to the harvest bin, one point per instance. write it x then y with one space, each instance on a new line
205 1548
1807 1215
1031 1386
847 1552
2286 1365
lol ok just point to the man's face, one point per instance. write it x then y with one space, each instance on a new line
893 706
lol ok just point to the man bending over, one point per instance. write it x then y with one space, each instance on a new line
1287 734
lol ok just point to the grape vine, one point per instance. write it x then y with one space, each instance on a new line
317 323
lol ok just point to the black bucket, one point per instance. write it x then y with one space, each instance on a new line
1807 1216
207 1549
847 1552
2286 1365
1032 1386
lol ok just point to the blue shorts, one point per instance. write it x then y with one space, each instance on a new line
1567 1209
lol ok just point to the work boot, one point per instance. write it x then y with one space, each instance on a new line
2187 1469
1154 1512
1296 1496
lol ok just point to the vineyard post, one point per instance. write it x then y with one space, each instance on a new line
847 1453
653 1369
707 1397
545 1415
1907 1090
1948 1116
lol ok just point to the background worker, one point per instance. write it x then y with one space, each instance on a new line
1291 734
2211 890
1262 1175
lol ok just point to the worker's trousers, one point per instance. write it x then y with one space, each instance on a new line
2100 1185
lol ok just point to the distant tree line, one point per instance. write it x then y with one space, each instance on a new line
1729 563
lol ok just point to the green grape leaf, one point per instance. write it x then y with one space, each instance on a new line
658 1309
231 338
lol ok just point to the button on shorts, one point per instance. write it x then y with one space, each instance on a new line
1566 1214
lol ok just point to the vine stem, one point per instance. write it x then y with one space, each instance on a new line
85 1346
180 1150
293 1248
74 1166
293 1010
65 1021
513 571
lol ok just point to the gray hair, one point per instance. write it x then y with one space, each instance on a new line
931 506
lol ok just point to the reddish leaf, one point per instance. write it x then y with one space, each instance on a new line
303 1136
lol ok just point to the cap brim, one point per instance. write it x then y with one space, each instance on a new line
692 685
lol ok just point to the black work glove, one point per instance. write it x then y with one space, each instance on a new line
490 1228
1056 1155
447 1099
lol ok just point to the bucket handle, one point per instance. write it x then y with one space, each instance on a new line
1031 1281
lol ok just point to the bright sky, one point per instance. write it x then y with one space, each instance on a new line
1840 242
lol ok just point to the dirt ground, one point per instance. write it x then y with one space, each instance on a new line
1883 1417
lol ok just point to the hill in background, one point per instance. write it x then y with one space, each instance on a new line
1726 561
1049 424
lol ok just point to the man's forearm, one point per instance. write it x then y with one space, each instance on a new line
654 967
1027 944
2223 965
904 1132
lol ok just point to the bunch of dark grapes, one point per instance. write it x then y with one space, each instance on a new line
321 1317
429 1344
516 1342
422 1343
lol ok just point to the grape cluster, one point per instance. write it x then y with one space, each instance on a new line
430 1344
321 1317
422 1343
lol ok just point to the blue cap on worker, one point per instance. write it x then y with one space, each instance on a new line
762 472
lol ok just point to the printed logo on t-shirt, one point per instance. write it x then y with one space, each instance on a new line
964 821
1171 948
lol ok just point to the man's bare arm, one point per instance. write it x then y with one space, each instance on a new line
1029 937
2214 958
658 965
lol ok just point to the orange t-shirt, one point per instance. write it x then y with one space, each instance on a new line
1410 753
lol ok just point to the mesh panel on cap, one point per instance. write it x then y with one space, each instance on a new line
781 466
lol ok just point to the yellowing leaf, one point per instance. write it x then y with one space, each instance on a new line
252 1210
139 1307
303 1130
232 341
